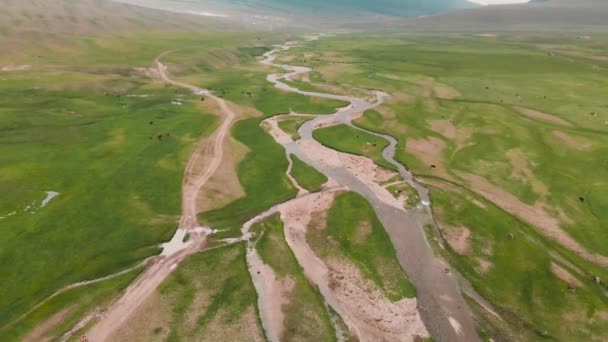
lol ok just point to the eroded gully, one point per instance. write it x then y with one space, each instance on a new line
440 302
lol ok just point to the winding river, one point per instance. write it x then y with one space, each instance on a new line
441 305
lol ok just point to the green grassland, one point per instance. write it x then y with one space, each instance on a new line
308 178
291 125
262 172
362 240
518 280
350 140
453 111
73 126
306 317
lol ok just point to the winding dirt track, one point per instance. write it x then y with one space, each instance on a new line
195 177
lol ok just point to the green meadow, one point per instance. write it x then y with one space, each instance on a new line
309 178
112 142
496 118
262 172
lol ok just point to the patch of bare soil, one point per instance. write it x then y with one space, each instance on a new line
427 87
580 54
364 308
302 78
430 152
224 186
578 143
8 68
375 317
458 238
534 114
372 175
244 329
483 266
271 125
536 215
331 71
148 72
522 171
273 295
39 334
487 35
444 91
445 128
150 322
363 168
564 275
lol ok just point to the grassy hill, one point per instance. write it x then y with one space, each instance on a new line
384 7
551 15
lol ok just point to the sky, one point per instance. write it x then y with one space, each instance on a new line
498 2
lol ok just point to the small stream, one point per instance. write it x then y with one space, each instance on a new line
440 302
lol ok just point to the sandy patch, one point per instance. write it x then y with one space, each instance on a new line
150 322
427 87
444 91
224 186
376 318
429 151
39 334
536 215
578 143
483 266
455 324
564 275
459 238
302 78
487 35
363 307
363 168
444 127
401 97
331 71
273 294
271 125
8 68
371 174
541 116
522 171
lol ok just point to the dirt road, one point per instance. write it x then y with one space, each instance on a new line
195 178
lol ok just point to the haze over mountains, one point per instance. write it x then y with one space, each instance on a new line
431 15
306 13
538 15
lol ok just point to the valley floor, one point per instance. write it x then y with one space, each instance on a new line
298 219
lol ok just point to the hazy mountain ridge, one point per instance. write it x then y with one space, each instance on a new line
549 15
384 7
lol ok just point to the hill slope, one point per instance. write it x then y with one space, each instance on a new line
550 15
337 7
302 13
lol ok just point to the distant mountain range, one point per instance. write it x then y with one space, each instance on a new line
333 7
537 15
